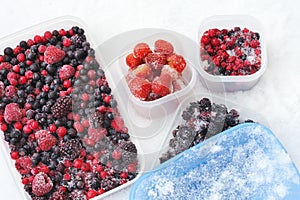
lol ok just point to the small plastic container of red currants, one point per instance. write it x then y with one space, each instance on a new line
233 53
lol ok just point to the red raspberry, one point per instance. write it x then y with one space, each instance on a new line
140 87
162 85
66 72
12 113
156 60
117 123
132 61
11 91
163 47
45 140
23 165
41 184
205 40
53 55
177 62
91 194
5 65
141 50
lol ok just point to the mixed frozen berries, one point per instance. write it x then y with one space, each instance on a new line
233 52
61 120
154 74
200 120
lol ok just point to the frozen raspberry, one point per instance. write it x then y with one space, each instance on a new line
5 65
45 140
53 55
97 134
66 72
41 184
12 113
62 107
11 91
162 85
117 123
141 50
77 194
2 87
177 62
132 61
23 164
140 87
156 60
163 47
58 196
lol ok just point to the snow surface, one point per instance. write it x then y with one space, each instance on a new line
276 96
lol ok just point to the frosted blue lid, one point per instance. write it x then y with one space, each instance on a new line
244 162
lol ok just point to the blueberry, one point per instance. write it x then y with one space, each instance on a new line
8 51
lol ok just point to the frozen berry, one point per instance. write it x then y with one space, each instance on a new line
143 71
140 88
66 72
141 50
177 62
23 164
162 85
53 55
163 47
156 60
41 184
45 140
12 113
133 61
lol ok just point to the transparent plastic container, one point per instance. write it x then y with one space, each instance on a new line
244 114
232 83
66 23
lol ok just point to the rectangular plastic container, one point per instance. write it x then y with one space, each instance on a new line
232 83
12 40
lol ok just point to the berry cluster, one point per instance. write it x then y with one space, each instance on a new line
153 75
232 52
61 120
201 120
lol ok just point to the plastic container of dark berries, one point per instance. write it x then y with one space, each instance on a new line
230 83
245 115
65 22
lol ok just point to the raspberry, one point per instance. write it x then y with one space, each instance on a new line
41 184
62 107
132 61
66 72
24 164
12 113
53 55
141 50
163 47
11 91
58 195
117 123
45 140
140 87
5 65
177 62
156 60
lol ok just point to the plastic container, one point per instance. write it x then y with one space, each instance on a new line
13 40
244 114
149 120
232 83
246 161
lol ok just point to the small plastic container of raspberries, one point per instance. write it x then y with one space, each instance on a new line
62 134
233 53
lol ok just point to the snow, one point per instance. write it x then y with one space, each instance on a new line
277 94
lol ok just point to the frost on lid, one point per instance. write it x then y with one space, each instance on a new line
247 163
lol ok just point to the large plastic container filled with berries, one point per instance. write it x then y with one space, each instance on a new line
83 120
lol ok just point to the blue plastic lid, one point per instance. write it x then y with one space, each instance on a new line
244 162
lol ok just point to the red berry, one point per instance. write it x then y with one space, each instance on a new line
85 167
77 163
22 80
21 57
34 125
25 181
14 155
47 35
18 126
30 42
67 42
163 47
42 49
117 123
177 62
66 72
67 83
103 174
45 140
91 74
107 99
131 168
124 175
85 97
29 74
133 61
101 191
91 194
16 68
85 123
162 86
156 60
116 154
53 55
61 131
140 88
41 184
205 40
12 113
37 39
62 32
143 71
45 169
141 50
67 177
23 164
101 108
